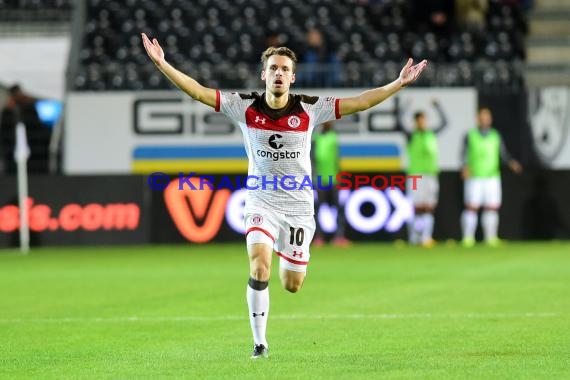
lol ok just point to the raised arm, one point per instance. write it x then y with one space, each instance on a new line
182 81
370 98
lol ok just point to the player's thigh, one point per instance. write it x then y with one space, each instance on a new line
416 190
261 228
291 280
493 193
433 191
473 192
294 240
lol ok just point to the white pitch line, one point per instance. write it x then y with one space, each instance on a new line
191 318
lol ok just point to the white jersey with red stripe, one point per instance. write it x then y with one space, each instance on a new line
278 145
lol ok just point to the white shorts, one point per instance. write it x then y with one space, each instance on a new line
484 192
426 191
289 235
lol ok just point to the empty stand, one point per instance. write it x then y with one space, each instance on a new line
219 41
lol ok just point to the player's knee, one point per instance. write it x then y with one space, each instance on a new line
293 287
260 271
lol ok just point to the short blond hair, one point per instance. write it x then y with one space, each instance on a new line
284 51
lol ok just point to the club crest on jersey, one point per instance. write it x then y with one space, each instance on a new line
256 219
294 121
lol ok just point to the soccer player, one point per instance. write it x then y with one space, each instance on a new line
277 127
326 164
483 152
423 155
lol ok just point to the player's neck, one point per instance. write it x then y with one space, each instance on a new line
276 102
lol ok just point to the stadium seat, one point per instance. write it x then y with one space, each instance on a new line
208 36
36 11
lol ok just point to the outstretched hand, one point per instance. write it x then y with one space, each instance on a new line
410 73
153 50
465 173
515 166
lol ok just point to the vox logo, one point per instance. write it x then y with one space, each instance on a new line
198 214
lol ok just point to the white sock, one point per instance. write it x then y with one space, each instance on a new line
258 304
412 234
415 227
428 227
469 223
490 224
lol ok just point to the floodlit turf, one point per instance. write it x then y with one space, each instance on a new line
369 312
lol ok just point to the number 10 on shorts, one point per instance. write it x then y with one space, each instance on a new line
297 236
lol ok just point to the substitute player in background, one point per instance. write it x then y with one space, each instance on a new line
423 156
277 129
483 152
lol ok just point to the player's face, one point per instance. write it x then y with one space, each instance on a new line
278 74
421 123
485 118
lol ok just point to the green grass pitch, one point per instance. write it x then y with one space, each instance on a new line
369 312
